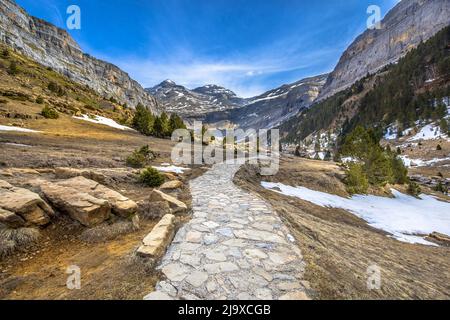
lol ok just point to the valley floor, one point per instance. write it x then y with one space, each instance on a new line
109 268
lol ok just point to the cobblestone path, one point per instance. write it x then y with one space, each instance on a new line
235 247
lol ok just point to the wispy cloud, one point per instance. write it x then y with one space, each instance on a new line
244 73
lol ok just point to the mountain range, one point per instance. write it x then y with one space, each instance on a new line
408 24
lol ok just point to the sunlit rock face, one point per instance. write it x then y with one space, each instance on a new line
404 28
55 48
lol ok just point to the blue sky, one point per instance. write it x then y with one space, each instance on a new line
248 46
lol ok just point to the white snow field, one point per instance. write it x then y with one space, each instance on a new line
102 120
405 217
172 169
421 163
17 129
429 132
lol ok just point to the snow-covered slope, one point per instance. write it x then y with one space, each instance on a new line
194 103
272 107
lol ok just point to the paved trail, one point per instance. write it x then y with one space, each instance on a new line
235 247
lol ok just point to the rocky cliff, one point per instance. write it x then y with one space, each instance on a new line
408 24
273 107
55 48
194 103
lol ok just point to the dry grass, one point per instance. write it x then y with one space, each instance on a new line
12 240
106 231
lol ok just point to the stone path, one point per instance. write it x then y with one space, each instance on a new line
235 247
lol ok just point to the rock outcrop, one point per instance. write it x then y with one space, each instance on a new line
86 201
20 207
271 108
155 243
176 205
408 24
80 206
54 47
120 205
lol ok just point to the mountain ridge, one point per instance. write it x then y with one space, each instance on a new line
55 48
405 26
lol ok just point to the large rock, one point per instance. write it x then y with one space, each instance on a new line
120 205
175 204
439 238
155 243
154 209
171 185
11 219
80 205
27 205
67 173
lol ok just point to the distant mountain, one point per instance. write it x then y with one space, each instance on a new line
197 102
272 107
54 47
408 24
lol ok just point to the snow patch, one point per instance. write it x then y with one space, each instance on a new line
173 169
104 121
429 132
17 129
405 217
421 163
17 145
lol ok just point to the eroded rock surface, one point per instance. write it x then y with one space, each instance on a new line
22 207
155 243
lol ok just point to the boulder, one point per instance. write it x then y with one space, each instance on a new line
11 219
154 209
26 204
81 206
175 204
439 238
155 243
171 185
67 173
120 205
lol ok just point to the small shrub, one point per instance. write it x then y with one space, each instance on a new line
5 53
56 88
49 113
438 148
356 180
13 69
414 189
151 177
141 157
39 100
107 232
12 240
441 188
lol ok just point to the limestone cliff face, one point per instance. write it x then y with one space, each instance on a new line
408 24
55 48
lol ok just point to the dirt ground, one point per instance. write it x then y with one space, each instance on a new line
339 247
109 269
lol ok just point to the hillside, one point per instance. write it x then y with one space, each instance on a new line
194 103
272 107
55 48
408 24
411 90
